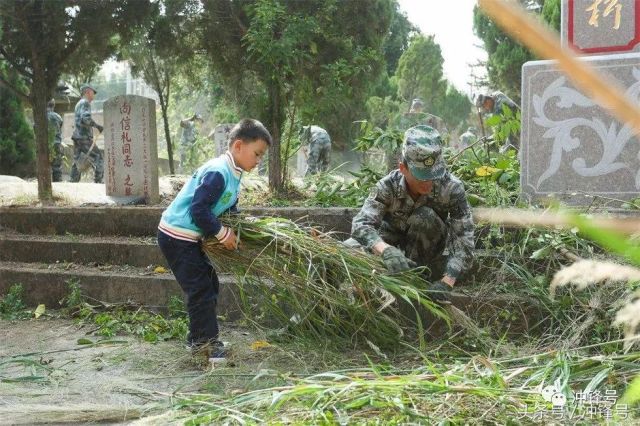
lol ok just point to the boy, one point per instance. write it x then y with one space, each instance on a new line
417 211
193 216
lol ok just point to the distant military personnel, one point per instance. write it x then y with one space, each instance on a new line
55 133
494 104
417 116
83 136
316 141
416 212
188 137
467 138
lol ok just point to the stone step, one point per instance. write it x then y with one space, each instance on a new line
81 249
48 284
143 221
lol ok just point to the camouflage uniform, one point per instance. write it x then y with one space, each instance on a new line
467 138
55 132
425 227
499 101
319 143
83 139
187 139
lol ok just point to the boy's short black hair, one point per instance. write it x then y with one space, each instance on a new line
250 130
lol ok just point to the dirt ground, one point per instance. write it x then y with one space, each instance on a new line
46 376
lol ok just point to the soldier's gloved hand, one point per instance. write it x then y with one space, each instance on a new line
395 260
439 292
99 127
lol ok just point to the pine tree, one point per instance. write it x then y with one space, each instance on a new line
17 142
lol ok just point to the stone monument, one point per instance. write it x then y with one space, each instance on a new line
596 27
131 151
220 137
572 148
301 162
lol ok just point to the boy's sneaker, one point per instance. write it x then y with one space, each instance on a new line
213 351
218 353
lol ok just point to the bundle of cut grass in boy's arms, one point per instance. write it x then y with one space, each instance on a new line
295 278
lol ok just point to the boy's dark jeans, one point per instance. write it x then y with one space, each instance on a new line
199 281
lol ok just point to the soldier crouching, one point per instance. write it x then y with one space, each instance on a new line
416 212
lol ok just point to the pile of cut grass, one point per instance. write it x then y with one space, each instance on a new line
304 282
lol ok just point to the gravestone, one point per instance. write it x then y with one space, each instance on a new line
301 162
220 137
131 151
572 146
596 27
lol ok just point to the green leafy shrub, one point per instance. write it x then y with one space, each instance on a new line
11 305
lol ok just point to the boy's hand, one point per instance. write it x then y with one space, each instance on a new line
228 238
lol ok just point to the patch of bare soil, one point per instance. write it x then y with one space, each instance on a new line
47 376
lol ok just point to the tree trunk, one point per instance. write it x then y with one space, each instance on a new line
167 133
276 118
39 98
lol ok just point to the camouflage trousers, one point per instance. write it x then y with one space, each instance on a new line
185 151
319 156
56 163
81 146
423 240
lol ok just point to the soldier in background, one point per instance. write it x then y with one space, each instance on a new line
83 136
417 116
467 138
494 104
316 144
55 133
188 137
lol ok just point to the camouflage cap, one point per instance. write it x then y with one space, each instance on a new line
417 102
471 129
422 151
86 86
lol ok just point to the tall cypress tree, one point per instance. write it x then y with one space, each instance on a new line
17 142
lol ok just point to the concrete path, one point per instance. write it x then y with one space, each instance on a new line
18 192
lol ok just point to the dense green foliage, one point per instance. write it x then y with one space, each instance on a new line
420 72
505 55
454 108
551 13
397 39
17 145
309 59
159 51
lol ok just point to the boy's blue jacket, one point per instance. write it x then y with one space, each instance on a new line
212 190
